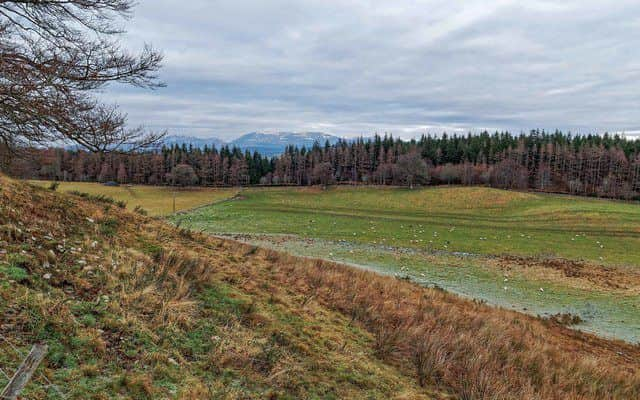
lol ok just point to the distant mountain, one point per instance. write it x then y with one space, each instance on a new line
170 141
268 144
275 143
192 140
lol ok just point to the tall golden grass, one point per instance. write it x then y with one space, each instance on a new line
471 349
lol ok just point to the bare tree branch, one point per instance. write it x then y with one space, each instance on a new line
53 54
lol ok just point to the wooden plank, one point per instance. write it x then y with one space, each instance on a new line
24 372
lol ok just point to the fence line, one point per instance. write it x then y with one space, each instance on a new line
48 384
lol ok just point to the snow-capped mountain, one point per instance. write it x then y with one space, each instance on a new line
275 143
268 144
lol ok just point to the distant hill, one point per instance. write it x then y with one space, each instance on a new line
268 144
173 140
275 143
192 140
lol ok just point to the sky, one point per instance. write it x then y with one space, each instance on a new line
353 68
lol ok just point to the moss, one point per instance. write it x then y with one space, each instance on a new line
14 273
109 226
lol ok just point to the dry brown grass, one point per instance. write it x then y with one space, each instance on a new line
472 350
453 347
477 351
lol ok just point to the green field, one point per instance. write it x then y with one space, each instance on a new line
461 239
156 200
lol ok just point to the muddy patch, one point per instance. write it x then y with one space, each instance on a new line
598 276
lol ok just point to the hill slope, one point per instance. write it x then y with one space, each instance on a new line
134 308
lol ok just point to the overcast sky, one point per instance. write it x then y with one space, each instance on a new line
355 68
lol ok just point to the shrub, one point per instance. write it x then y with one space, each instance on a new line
109 226
14 273
140 210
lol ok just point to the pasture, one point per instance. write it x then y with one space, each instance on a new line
468 220
156 200
541 254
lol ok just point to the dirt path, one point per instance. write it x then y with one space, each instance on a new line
236 196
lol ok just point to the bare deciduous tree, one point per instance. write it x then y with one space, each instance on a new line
53 55
413 168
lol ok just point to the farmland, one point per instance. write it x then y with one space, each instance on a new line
541 254
132 307
156 200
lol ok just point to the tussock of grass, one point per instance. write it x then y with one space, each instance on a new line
143 310
475 351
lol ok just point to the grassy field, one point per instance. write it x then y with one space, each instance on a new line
488 244
156 200
134 308
470 220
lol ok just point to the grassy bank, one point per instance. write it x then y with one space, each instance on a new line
156 200
541 254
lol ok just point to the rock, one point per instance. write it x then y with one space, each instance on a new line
47 276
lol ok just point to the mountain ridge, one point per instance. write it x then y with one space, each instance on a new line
265 143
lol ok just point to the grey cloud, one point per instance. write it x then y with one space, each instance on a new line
358 67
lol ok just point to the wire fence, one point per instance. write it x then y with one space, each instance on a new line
39 380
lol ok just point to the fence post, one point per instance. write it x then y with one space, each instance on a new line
24 372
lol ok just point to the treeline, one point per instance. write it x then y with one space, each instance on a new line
175 165
594 165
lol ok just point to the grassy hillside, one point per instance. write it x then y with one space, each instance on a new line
541 254
156 200
134 308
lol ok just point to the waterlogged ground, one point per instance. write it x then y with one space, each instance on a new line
538 254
